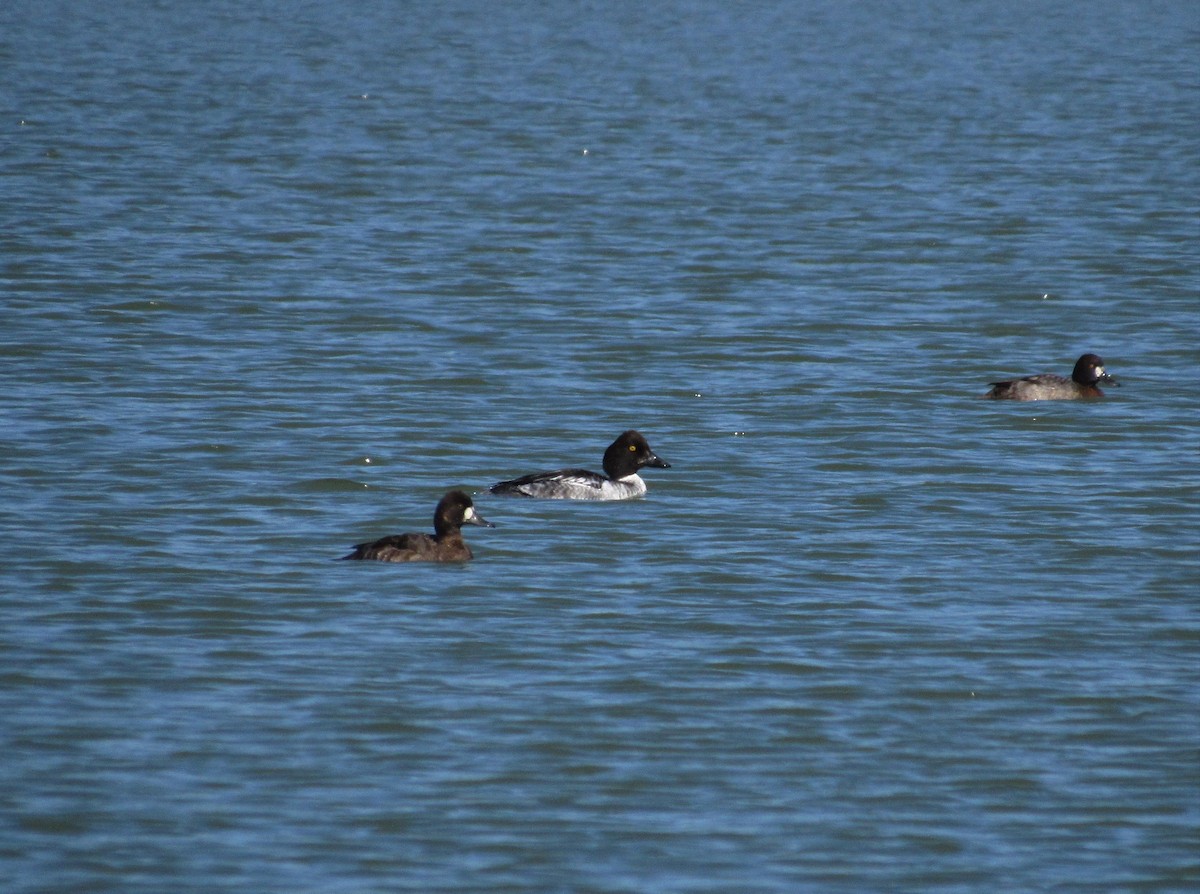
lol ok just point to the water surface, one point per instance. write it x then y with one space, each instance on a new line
275 278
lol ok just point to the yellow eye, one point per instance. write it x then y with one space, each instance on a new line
633 448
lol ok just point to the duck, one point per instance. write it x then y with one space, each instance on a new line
446 544
1089 371
624 457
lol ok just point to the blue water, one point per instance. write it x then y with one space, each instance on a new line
274 277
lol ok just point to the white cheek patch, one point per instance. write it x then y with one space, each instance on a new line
470 513
1100 372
